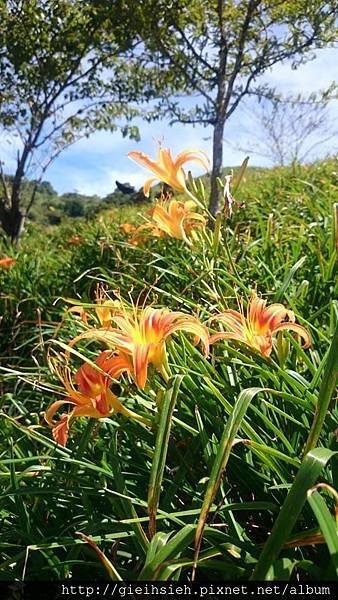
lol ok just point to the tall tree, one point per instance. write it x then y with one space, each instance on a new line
216 50
67 67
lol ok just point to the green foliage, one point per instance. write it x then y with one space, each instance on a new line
217 50
218 454
51 208
67 68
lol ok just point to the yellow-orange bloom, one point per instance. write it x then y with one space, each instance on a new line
177 219
90 396
128 227
7 262
104 308
168 169
258 326
144 232
141 333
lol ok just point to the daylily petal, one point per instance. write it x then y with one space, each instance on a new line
101 404
175 218
50 412
145 161
168 169
192 156
140 361
225 335
165 159
274 314
298 329
60 430
7 262
148 184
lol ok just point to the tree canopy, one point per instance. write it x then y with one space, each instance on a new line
67 68
214 52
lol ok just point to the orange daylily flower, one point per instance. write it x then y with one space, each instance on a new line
177 219
7 262
141 334
144 232
90 395
75 240
258 326
105 306
128 228
168 169
140 234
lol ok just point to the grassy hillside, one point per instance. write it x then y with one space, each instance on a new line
282 242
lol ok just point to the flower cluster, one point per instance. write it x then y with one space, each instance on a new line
135 338
176 218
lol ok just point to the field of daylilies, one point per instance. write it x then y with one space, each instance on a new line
167 384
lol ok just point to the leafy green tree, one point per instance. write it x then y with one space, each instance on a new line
214 52
75 208
67 67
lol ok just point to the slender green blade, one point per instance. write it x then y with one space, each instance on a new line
307 475
231 428
172 549
326 392
327 525
161 449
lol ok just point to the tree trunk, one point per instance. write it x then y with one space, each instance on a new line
12 221
217 165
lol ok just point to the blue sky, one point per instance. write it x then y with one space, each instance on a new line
92 165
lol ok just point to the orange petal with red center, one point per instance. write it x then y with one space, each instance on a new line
225 335
89 380
191 325
255 312
140 360
114 365
262 343
274 314
233 319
